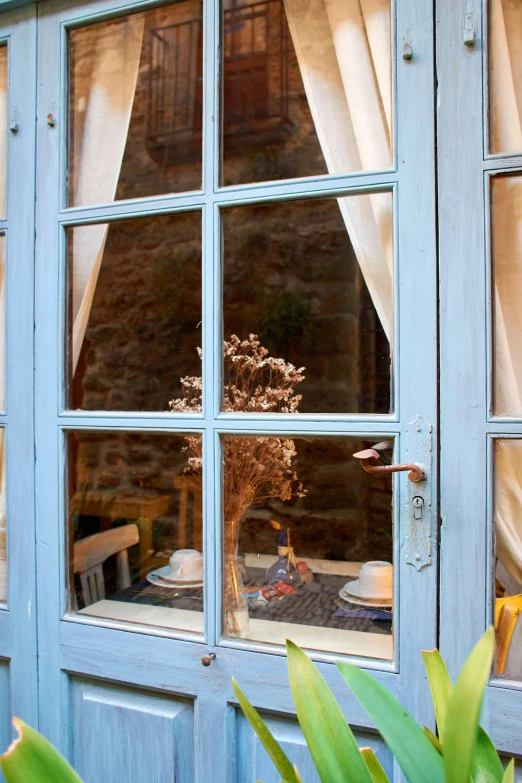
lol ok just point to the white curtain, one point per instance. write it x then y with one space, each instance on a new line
343 49
506 124
104 91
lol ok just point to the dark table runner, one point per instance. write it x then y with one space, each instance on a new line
314 603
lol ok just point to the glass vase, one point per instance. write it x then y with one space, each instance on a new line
235 600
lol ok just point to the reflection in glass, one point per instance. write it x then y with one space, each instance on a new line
308 545
3 127
135 105
306 88
3 522
135 529
505 76
134 311
314 281
506 213
2 321
508 557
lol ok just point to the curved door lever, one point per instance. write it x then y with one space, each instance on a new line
416 471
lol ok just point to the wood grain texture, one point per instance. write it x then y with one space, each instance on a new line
120 734
19 640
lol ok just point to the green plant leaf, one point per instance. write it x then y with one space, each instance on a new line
509 774
272 747
487 767
32 759
330 740
440 686
435 741
463 711
374 765
417 757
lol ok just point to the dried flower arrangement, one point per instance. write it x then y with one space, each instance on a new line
256 468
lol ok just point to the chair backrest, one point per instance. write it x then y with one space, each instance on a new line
90 553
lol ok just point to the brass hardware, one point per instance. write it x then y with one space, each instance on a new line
416 471
51 121
206 660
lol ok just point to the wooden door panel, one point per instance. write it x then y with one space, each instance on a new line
253 762
120 733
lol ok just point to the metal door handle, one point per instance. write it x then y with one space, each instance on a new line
416 471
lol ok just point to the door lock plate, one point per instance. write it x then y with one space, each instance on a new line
419 538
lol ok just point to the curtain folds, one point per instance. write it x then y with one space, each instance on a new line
506 96
343 48
105 93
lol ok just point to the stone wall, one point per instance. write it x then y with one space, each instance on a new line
290 275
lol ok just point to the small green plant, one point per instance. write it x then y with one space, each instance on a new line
461 753
32 759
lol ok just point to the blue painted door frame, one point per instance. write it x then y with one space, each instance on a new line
18 617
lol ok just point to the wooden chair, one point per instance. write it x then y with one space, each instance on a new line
192 485
507 611
90 554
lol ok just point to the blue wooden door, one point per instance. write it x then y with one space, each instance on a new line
18 651
479 183
234 202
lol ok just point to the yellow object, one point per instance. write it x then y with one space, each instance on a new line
507 611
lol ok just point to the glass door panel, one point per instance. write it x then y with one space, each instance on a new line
135 105
306 88
506 251
320 301
507 557
135 529
134 311
505 76
308 545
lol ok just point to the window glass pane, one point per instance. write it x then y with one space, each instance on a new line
3 127
3 523
505 76
2 321
308 545
135 528
306 88
134 311
314 281
508 558
135 105
507 278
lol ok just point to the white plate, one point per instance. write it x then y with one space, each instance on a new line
351 592
369 604
156 577
164 573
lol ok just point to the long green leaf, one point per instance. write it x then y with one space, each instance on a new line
272 747
440 686
32 759
487 766
509 774
374 765
329 738
463 712
417 757
435 741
